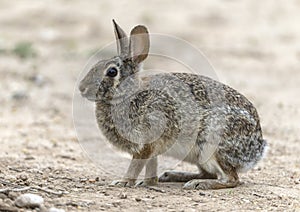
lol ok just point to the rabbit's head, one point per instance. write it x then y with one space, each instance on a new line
103 79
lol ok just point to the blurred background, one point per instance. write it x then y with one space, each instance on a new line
253 45
44 45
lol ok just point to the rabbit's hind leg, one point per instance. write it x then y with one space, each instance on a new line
224 179
177 176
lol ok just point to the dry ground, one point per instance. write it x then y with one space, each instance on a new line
254 46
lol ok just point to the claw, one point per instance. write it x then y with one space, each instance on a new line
165 177
194 184
122 183
140 184
147 182
209 184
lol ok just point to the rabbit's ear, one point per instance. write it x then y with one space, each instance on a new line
139 44
121 38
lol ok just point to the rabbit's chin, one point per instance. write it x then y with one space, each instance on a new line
90 98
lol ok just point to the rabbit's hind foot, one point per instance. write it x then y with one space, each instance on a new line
177 176
205 184
224 178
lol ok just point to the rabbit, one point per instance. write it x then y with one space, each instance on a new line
218 155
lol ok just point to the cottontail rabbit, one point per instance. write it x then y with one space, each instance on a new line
227 128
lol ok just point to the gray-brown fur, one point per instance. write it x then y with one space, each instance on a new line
228 133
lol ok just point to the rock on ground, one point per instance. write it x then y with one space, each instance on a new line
29 201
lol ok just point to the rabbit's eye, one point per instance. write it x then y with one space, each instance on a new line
112 72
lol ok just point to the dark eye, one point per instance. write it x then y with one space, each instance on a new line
112 72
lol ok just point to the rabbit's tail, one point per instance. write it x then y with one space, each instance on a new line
261 152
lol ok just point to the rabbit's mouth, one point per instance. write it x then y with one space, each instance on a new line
85 94
92 98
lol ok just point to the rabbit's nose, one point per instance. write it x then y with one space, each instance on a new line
83 89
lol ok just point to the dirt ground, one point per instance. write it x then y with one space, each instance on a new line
253 45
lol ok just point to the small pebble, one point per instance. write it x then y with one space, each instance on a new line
92 180
9 202
123 196
6 207
10 178
56 210
29 157
19 95
38 79
116 204
245 200
2 196
29 201
13 195
138 199
202 194
23 177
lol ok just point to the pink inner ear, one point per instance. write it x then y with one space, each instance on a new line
139 44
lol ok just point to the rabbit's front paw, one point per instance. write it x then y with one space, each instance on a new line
147 182
123 183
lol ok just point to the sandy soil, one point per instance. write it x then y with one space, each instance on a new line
253 45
